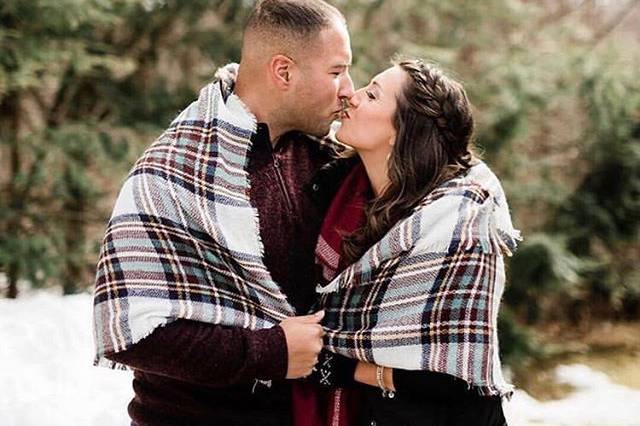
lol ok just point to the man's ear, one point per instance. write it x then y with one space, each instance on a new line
280 70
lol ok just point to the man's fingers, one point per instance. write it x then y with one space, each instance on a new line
313 318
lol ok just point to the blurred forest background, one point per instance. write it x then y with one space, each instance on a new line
86 85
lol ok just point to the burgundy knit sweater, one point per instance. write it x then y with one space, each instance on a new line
193 373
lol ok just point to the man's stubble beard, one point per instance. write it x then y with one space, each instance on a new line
310 124
313 123
306 114
320 130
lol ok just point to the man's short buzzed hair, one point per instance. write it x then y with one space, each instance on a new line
299 19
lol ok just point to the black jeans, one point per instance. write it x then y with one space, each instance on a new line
411 410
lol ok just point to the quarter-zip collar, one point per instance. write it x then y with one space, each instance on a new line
262 143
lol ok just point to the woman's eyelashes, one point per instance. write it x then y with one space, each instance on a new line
370 95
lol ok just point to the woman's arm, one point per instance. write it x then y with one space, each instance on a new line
427 384
335 370
368 374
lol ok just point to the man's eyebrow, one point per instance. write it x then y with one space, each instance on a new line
341 66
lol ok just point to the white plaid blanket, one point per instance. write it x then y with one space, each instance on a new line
183 240
426 296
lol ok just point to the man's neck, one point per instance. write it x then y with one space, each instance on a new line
254 100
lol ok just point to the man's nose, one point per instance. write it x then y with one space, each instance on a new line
346 89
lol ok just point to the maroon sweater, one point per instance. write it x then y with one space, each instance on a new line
193 373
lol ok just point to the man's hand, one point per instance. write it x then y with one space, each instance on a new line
304 343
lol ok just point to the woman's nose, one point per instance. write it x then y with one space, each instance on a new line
354 100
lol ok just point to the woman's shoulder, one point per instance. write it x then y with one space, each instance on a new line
478 183
482 174
476 199
327 180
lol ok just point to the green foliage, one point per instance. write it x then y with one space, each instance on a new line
601 219
55 133
542 267
84 85
606 205
518 345
28 254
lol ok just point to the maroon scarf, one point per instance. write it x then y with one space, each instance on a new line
313 406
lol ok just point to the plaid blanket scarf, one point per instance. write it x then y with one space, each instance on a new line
426 296
183 239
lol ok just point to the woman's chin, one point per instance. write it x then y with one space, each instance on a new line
343 138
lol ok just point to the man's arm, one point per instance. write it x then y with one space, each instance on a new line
209 354
215 355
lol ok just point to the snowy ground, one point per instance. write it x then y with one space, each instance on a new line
47 377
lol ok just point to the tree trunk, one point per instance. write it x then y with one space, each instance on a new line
74 235
11 107
12 278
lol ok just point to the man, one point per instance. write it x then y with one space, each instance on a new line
186 289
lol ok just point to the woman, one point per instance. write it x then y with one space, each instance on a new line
411 255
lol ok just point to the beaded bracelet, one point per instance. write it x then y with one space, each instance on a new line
386 393
380 377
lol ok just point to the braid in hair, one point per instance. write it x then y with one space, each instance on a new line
434 127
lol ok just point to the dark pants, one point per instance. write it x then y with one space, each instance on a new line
234 406
411 410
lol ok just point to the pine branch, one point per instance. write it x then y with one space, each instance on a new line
64 96
567 8
614 23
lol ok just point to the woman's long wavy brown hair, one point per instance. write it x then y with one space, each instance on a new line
434 130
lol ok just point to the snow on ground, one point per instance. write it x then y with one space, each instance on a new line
47 377
596 401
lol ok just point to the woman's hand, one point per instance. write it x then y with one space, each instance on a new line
367 373
333 370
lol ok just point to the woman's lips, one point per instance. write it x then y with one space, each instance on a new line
344 110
